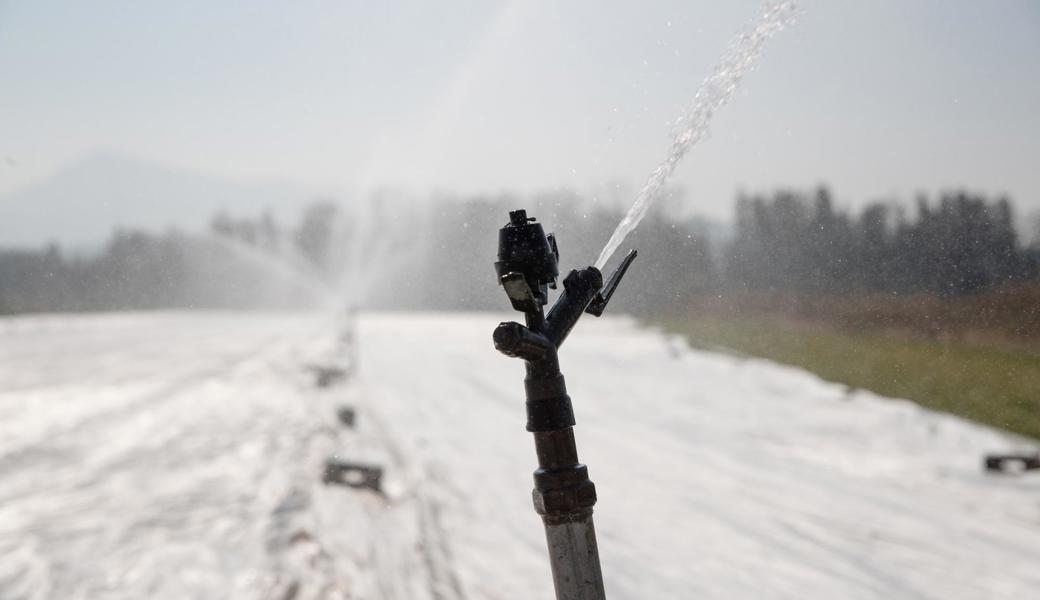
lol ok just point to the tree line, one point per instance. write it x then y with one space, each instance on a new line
441 256
138 270
959 243
786 241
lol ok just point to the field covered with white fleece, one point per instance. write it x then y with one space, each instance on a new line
178 455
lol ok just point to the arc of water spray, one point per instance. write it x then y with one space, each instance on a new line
282 263
376 242
692 126
372 241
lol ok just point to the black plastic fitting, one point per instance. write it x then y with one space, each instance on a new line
515 340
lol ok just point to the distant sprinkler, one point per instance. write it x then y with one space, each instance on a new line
563 494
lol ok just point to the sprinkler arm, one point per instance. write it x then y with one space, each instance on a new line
599 303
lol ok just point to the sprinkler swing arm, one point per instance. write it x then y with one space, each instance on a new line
563 494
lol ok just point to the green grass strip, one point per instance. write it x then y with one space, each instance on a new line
995 387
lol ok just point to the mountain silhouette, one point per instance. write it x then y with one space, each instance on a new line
80 205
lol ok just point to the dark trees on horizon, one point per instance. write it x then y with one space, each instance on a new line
787 241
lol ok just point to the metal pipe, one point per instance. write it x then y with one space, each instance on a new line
574 558
564 497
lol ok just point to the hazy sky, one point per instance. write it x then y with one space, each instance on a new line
872 97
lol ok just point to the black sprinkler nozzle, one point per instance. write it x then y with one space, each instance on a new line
525 250
527 268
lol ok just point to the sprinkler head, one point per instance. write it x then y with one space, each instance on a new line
527 262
